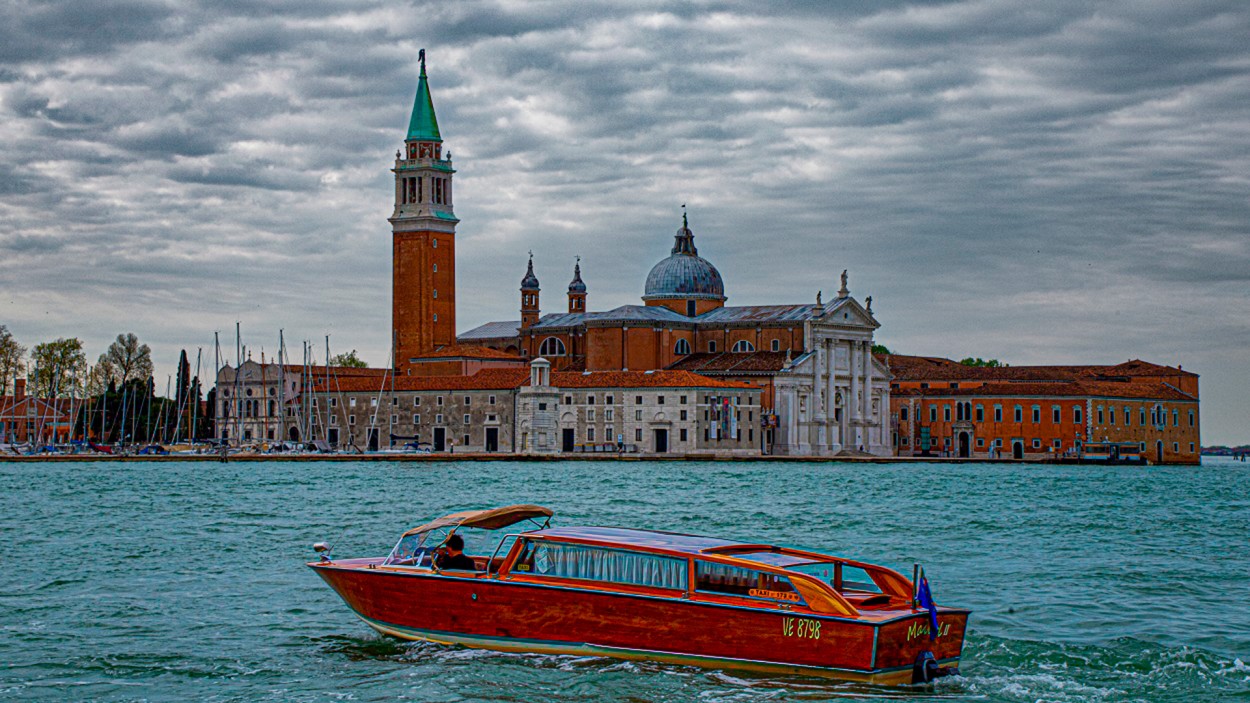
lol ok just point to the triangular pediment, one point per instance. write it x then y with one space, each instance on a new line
847 312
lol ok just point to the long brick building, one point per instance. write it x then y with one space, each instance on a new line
940 407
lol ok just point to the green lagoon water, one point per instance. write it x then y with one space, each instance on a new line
185 581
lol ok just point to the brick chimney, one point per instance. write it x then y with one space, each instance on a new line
19 389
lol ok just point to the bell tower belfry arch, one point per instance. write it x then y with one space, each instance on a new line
423 229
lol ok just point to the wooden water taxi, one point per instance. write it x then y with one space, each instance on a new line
644 594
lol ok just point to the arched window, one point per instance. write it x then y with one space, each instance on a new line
743 345
682 347
551 346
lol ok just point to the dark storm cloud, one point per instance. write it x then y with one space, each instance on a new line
1041 183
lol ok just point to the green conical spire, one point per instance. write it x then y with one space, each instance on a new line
424 125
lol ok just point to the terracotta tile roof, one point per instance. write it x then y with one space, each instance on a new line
507 379
340 371
468 351
1056 389
928 368
732 363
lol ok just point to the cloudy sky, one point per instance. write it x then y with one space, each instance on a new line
1042 183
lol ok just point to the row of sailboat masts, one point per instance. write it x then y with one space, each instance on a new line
310 420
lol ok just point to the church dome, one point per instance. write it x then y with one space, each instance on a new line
684 274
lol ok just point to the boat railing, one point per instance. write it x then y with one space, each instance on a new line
490 562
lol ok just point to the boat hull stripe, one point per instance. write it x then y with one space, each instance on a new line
521 645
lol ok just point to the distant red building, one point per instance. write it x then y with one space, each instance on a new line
25 418
940 407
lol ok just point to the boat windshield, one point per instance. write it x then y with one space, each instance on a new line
853 578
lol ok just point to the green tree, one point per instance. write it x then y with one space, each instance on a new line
349 360
58 368
881 349
983 363
127 359
11 356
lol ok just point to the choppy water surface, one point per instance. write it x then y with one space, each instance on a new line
185 581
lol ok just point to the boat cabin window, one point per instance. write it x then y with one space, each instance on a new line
575 561
735 580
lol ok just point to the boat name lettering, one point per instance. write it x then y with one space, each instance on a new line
921 629
801 628
776 595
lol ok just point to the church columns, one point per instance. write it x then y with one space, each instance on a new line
866 404
831 408
852 403
820 401
792 421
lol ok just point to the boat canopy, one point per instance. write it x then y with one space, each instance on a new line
491 519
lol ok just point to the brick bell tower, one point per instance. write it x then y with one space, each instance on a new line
423 226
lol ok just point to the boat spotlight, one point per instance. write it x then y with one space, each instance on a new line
323 549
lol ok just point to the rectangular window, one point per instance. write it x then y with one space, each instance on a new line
1018 414
590 400
334 403
946 413
416 419
351 419
980 413
683 416
468 400
1111 416
1076 414
490 399
438 418
998 413
590 414
1191 421
609 434
590 434
638 434
394 419
416 401
575 561
902 414
1055 412
373 402
1037 414
932 413
608 400
607 414
682 400
1101 417
711 346
683 434
637 400
638 415
659 400
438 400
568 400
1176 418
744 583
351 402
466 419
1037 444
1128 416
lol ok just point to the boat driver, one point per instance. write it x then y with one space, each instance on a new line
452 556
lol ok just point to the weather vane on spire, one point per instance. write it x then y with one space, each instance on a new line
421 55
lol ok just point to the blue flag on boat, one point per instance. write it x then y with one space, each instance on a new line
925 599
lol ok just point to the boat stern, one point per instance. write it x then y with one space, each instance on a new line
906 653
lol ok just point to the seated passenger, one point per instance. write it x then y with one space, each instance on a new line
452 556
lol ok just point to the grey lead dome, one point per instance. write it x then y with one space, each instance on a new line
684 274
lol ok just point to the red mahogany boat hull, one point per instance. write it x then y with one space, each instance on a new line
519 615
